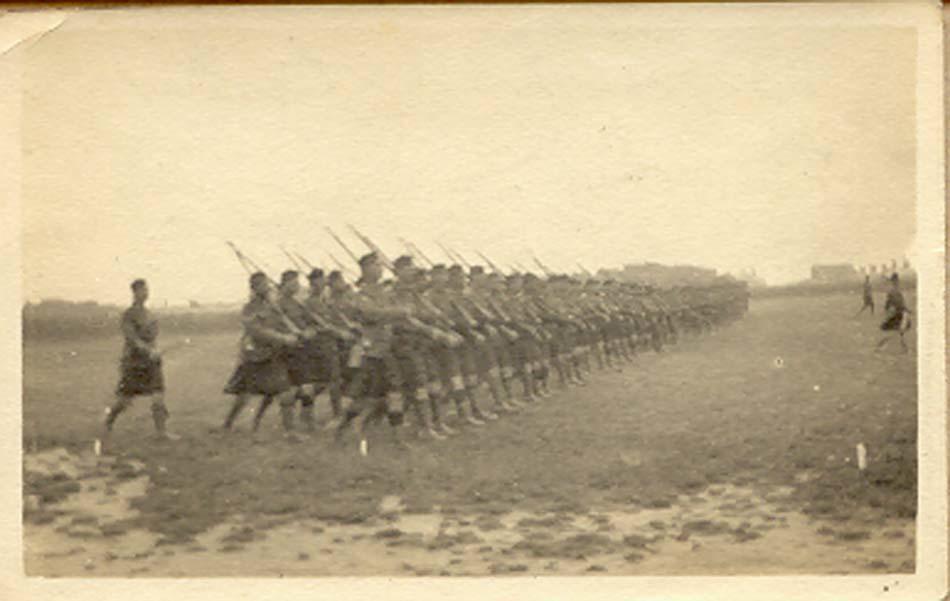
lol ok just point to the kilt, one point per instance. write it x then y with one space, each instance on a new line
523 351
267 377
467 361
486 357
893 322
140 376
412 369
310 363
374 379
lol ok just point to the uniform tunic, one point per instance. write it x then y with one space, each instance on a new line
376 373
895 308
262 367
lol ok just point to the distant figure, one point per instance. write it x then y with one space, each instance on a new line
868 296
898 315
140 370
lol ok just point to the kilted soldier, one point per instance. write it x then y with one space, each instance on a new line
488 346
471 370
262 364
305 366
416 346
336 305
140 369
375 389
330 349
898 314
443 369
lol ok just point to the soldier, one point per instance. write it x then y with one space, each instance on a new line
140 369
524 349
492 340
868 295
376 388
445 376
262 367
306 368
331 348
412 342
336 302
466 325
898 314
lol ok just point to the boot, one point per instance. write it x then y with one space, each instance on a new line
159 417
307 416
466 414
481 414
261 410
395 428
236 407
287 417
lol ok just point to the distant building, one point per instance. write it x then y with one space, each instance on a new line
843 272
750 277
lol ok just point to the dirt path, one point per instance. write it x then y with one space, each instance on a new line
711 532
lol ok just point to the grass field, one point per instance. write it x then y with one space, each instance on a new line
779 399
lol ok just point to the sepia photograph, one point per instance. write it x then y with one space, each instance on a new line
485 292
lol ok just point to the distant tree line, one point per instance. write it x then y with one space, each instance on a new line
59 319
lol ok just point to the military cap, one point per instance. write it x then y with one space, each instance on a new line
335 275
438 268
368 259
402 261
258 276
315 274
894 277
139 283
476 270
289 276
455 269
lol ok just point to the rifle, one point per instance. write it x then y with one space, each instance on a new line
544 269
584 269
423 255
339 264
372 246
344 246
522 268
462 260
294 261
454 257
304 260
489 263
246 262
250 267
416 251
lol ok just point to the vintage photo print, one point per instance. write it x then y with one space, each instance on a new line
607 300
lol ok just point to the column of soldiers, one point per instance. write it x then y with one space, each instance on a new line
436 343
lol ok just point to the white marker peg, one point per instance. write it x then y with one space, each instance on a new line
862 456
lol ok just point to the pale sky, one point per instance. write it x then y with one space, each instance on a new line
596 141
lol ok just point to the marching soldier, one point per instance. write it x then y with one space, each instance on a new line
376 386
330 349
140 369
306 368
262 366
